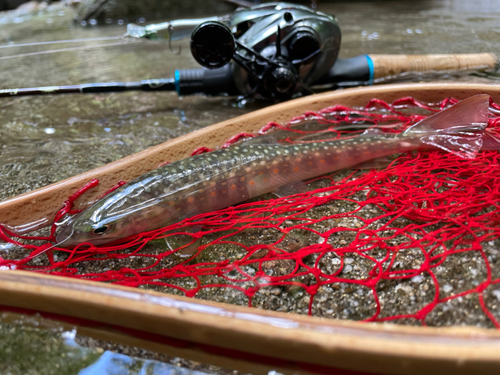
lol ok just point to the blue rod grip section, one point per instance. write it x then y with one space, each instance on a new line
177 83
371 69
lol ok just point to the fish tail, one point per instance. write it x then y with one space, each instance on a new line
460 129
491 140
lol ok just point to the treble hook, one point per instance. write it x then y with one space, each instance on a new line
170 30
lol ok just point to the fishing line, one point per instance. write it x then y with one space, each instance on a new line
58 244
64 50
81 40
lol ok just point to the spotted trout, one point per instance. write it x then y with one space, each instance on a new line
228 176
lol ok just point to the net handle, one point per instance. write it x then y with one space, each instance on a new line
229 330
393 65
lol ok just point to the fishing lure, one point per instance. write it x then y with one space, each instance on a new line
225 177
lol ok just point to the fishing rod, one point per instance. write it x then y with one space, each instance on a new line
271 51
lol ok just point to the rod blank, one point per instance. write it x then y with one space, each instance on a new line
165 84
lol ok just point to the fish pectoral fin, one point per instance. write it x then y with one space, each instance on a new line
298 187
184 243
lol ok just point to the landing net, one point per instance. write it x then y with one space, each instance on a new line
416 242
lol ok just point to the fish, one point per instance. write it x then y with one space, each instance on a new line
228 176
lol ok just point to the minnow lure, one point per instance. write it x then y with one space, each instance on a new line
225 177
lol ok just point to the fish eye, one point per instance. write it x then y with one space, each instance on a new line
100 230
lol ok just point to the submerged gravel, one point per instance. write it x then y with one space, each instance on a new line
78 133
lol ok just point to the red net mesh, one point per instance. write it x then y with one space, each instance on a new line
391 244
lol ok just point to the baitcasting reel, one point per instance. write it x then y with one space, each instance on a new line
279 49
272 50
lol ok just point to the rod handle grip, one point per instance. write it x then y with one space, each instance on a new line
393 65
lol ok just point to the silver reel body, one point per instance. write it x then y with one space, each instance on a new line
302 33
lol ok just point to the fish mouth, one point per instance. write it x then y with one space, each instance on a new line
64 239
66 231
70 238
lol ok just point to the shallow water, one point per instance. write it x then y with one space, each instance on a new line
78 133
46 139
33 345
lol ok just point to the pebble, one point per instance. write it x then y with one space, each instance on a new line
417 279
276 291
447 288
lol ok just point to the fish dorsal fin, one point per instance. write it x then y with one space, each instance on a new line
266 139
469 114
370 132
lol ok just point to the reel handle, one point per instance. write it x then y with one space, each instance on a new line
394 65
212 44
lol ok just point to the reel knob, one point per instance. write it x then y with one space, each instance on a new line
281 82
212 44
